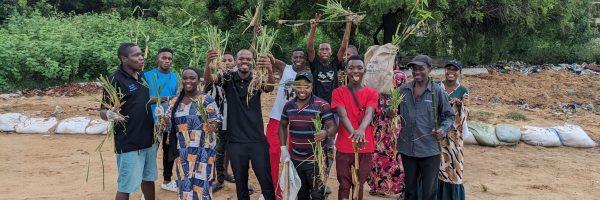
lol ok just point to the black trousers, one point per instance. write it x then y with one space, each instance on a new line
167 163
312 186
222 158
240 155
422 171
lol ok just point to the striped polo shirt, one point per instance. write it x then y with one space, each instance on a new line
301 127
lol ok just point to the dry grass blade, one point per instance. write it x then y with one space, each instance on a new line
416 19
318 152
264 43
334 9
115 97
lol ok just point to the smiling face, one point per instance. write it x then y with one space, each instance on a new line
303 89
356 71
299 60
190 81
244 61
420 72
228 61
452 73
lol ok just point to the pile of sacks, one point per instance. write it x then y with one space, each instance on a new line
19 123
570 135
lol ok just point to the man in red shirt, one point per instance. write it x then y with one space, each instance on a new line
355 104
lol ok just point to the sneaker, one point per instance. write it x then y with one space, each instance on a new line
171 186
229 178
250 189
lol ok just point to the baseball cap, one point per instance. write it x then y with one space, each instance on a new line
422 60
455 63
304 74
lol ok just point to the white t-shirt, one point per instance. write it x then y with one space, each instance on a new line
284 92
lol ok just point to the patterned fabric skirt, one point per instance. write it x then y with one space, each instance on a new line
387 173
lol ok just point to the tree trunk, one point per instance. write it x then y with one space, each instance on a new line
390 23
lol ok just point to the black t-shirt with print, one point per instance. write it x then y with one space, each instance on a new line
325 77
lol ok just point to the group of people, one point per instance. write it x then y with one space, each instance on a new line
207 129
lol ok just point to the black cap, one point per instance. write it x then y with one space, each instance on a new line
422 60
305 75
455 63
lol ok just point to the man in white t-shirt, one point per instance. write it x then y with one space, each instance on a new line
287 74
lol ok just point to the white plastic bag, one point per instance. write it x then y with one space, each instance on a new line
9 121
289 181
539 136
96 127
36 125
574 136
75 125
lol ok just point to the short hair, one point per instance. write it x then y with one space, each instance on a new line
228 53
165 50
240 52
356 57
299 49
124 49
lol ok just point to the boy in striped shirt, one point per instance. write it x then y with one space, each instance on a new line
296 120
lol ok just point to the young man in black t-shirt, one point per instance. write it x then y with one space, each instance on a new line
323 67
325 72
245 130
135 147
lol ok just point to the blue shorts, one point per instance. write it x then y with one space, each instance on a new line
135 167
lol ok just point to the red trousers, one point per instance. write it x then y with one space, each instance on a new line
274 152
343 162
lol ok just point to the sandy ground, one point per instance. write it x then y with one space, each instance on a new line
54 166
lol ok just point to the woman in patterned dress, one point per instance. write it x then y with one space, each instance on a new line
387 173
195 129
450 177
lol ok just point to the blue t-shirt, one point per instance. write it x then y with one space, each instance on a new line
168 82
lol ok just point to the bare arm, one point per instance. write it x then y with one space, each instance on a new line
331 128
342 51
283 132
368 118
277 64
311 37
344 119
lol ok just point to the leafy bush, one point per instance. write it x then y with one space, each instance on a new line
43 51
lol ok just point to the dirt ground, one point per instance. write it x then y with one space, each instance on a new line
54 166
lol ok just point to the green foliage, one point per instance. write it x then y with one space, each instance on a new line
47 44
42 51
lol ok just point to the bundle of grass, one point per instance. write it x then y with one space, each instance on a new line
208 125
159 111
334 9
114 104
318 152
216 40
264 43
395 99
